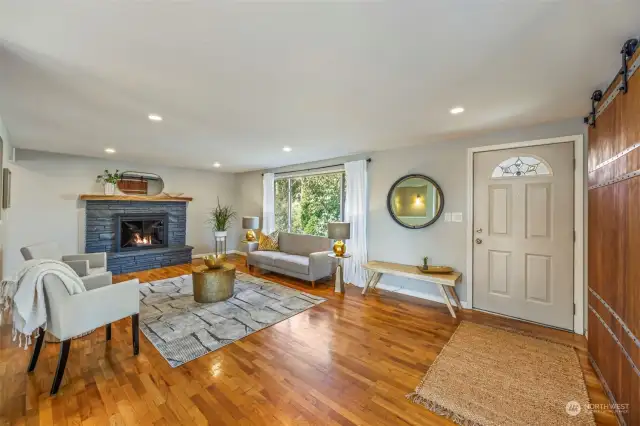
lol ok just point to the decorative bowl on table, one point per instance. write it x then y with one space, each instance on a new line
214 261
432 269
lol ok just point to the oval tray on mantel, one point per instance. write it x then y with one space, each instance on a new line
435 269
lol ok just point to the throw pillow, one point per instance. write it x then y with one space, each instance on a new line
269 242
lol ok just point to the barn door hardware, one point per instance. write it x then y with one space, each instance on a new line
591 118
627 51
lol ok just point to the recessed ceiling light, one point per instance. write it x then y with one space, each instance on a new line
109 150
216 164
287 149
456 110
155 117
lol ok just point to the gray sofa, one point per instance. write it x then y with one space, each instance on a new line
301 256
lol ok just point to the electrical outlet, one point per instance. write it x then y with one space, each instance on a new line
456 217
447 217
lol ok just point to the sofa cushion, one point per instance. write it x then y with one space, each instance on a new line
264 257
302 245
293 263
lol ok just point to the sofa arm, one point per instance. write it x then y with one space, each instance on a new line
91 309
93 282
80 266
96 260
320 265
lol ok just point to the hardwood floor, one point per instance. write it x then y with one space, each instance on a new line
350 360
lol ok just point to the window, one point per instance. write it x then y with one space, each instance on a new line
521 166
306 204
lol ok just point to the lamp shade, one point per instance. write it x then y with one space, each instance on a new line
339 230
250 222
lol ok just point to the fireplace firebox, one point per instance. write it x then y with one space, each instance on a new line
141 231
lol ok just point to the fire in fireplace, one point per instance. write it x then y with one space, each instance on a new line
141 231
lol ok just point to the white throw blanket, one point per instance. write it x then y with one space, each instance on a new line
24 295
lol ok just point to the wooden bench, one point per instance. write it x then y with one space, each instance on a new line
449 280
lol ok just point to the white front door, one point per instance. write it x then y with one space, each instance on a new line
523 233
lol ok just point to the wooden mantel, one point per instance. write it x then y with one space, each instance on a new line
158 198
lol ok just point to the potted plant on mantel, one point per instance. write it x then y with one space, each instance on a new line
220 219
109 181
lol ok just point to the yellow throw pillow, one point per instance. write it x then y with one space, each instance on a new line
269 242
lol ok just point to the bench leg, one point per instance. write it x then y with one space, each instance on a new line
452 291
446 300
373 281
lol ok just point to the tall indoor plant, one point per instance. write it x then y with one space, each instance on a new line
109 181
220 219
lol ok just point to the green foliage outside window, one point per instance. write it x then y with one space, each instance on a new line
313 201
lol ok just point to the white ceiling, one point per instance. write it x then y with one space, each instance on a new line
237 80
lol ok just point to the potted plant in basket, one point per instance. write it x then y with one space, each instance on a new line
220 219
109 181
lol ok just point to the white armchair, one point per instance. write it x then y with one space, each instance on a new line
84 264
70 315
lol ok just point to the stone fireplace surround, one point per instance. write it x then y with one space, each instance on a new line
100 235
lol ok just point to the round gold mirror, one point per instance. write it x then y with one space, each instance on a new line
415 201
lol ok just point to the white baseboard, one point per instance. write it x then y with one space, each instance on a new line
201 255
419 295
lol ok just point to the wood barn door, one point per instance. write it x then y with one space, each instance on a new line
614 244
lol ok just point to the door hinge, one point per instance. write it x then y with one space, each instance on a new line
574 309
574 164
574 235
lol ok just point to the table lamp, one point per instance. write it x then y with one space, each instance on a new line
339 231
250 223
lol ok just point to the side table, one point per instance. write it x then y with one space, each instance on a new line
213 285
339 287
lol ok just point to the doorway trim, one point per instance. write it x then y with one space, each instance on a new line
578 218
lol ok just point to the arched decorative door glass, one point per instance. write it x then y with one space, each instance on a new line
525 165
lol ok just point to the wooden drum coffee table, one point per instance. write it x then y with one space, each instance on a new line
213 285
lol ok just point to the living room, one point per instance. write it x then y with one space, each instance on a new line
319 213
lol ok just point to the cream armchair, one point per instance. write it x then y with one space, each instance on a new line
84 264
70 315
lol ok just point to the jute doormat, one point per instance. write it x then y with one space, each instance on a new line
488 376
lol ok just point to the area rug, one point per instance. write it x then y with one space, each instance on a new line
490 376
183 329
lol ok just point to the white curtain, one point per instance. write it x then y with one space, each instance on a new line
355 212
268 203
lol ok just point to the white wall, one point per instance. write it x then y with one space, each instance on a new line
4 135
45 205
445 162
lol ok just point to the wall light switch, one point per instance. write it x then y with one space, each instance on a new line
456 217
447 217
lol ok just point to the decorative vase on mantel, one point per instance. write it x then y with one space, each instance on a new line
109 188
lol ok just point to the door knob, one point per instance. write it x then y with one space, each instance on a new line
478 240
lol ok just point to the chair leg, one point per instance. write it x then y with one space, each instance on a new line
108 329
135 331
62 363
36 350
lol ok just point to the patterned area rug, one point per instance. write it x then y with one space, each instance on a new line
485 376
183 329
